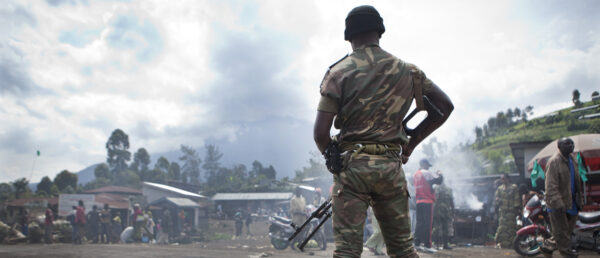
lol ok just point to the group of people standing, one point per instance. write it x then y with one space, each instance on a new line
99 224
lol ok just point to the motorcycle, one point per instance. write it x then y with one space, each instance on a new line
536 228
281 229
587 231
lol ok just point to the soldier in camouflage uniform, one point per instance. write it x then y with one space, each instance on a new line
508 203
369 93
443 216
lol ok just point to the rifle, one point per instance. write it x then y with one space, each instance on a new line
323 211
431 109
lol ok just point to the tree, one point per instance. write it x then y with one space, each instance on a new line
127 177
576 96
259 170
156 176
97 183
141 160
102 171
117 148
64 179
44 186
6 192
162 164
191 164
595 96
159 173
20 186
478 133
174 172
501 120
211 161
510 115
315 167
517 112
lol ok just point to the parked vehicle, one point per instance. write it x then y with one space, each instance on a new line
536 228
281 229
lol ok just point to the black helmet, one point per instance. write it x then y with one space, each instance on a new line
362 19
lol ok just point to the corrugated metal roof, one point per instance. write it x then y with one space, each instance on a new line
114 189
251 196
179 202
175 190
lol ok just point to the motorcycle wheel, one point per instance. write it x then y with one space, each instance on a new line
279 244
528 244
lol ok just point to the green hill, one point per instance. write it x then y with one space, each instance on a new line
494 137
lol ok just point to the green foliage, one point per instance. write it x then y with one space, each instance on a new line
259 170
44 186
162 164
127 177
191 164
6 192
64 179
117 148
211 236
174 172
211 161
316 167
102 171
155 176
141 161
69 190
575 98
97 183
20 186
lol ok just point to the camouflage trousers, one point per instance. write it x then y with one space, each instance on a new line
377 181
507 229
443 229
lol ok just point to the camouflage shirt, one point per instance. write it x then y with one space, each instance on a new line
507 198
444 202
371 91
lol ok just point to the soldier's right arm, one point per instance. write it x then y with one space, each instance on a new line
429 124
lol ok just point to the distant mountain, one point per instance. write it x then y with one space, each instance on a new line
86 175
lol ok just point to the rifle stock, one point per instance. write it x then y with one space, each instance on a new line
431 109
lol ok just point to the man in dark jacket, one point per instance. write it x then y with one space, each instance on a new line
94 224
564 198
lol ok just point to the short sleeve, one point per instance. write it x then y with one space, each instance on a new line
330 87
327 104
427 83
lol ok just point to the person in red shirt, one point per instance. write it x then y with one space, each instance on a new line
48 224
425 196
80 221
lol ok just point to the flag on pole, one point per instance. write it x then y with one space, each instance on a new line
581 168
536 172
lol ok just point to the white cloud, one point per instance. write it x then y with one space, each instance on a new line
158 83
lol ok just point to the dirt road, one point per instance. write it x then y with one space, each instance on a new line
254 246
211 250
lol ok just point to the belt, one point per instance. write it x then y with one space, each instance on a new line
371 148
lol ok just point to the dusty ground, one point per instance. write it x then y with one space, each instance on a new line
224 250
257 245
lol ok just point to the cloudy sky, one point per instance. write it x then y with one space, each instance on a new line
245 74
